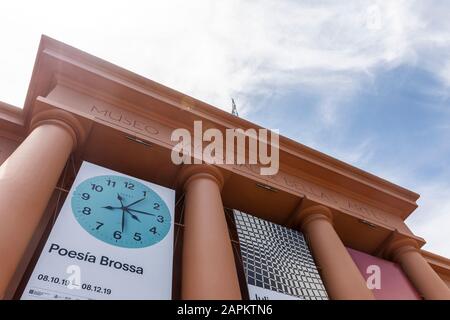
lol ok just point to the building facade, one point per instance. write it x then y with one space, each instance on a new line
81 108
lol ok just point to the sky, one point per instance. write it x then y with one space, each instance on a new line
364 81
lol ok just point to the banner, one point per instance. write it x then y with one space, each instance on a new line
277 262
385 278
113 239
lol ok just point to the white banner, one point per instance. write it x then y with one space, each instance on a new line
113 239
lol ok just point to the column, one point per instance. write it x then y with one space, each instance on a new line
406 253
209 270
27 180
340 275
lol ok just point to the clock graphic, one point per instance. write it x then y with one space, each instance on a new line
121 211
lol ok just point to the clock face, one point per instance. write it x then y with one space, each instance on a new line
121 211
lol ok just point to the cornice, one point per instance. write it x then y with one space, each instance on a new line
58 57
12 122
439 263
11 114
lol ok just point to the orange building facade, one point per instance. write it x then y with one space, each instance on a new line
81 108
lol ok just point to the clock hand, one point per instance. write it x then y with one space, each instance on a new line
123 210
120 199
111 208
131 204
138 211
133 216
123 219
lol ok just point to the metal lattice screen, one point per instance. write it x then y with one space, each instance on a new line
277 258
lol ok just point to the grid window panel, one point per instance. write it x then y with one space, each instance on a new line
277 258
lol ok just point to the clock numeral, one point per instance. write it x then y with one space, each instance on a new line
160 219
129 185
153 230
117 235
99 225
137 236
156 206
145 193
111 183
85 196
86 211
97 187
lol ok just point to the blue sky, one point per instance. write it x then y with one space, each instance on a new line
364 81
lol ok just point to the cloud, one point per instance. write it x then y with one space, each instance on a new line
432 219
257 50
217 49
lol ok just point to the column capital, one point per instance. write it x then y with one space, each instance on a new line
191 172
396 248
306 215
62 119
405 251
339 273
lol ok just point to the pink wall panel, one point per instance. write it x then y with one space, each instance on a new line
394 284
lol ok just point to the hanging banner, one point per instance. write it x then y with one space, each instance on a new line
385 278
277 262
113 239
